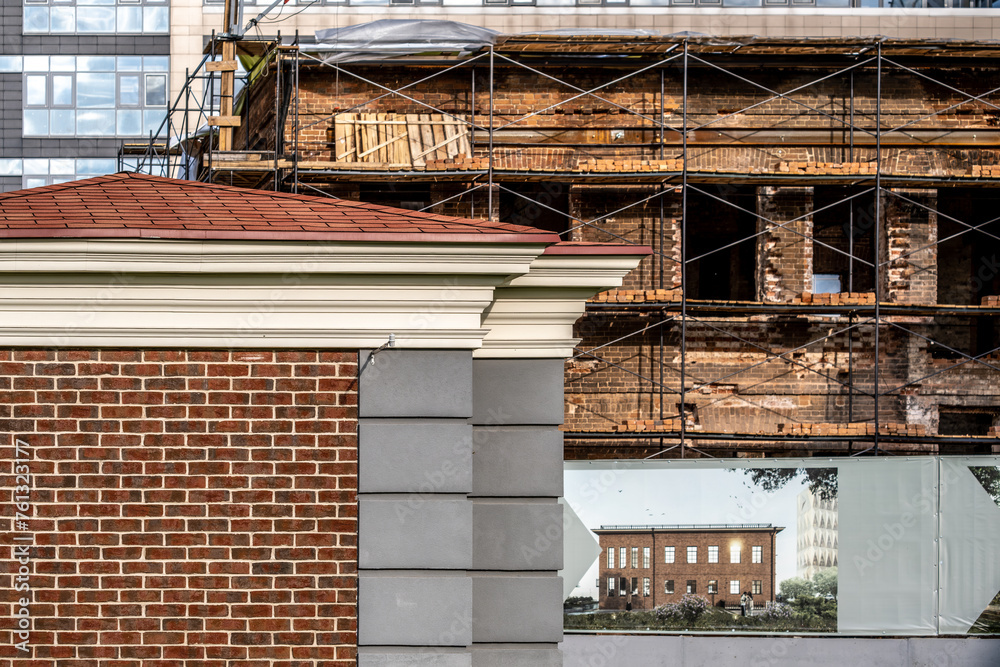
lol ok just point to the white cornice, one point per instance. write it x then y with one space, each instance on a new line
532 316
508 299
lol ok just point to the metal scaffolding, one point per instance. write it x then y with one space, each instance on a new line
190 149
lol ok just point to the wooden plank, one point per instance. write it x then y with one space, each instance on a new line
382 148
438 139
226 98
440 148
451 148
221 66
371 131
426 137
413 130
224 121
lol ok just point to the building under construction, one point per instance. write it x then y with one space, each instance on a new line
823 213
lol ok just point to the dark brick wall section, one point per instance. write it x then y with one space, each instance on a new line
190 507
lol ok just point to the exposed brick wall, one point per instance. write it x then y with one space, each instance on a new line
191 507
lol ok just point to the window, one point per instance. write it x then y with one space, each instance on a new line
692 586
755 587
668 554
734 587
621 557
713 586
668 586
94 96
622 586
36 172
635 557
692 554
734 553
611 558
645 557
645 587
151 17
756 554
713 554
635 586
611 587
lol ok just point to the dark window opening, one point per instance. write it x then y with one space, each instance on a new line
844 238
954 420
540 205
721 244
957 339
412 196
968 264
692 586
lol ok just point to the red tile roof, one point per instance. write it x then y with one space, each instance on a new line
127 205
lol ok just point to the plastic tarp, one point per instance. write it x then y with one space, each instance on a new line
391 38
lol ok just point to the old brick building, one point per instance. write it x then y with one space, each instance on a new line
651 565
821 211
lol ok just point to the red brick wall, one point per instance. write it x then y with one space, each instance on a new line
190 507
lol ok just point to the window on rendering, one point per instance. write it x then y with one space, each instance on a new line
734 586
713 586
668 554
611 557
645 587
692 554
635 557
668 586
622 559
622 586
692 586
611 587
713 554
734 553
645 557
757 554
635 586
755 587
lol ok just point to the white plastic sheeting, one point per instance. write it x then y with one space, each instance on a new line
391 38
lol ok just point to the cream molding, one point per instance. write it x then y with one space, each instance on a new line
501 300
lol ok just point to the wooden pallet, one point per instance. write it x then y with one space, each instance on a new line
411 139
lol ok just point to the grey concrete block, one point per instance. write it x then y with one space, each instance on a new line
414 533
517 609
416 383
415 456
414 611
517 461
516 656
406 657
517 536
517 391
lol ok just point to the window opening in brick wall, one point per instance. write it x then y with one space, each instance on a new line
847 228
969 264
611 587
967 420
756 587
531 204
412 196
692 586
718 270
668 554
713 586
668 586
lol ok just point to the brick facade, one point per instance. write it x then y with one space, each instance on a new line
661 574
191 507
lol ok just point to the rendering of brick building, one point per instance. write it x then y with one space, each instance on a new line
646 566
237 427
